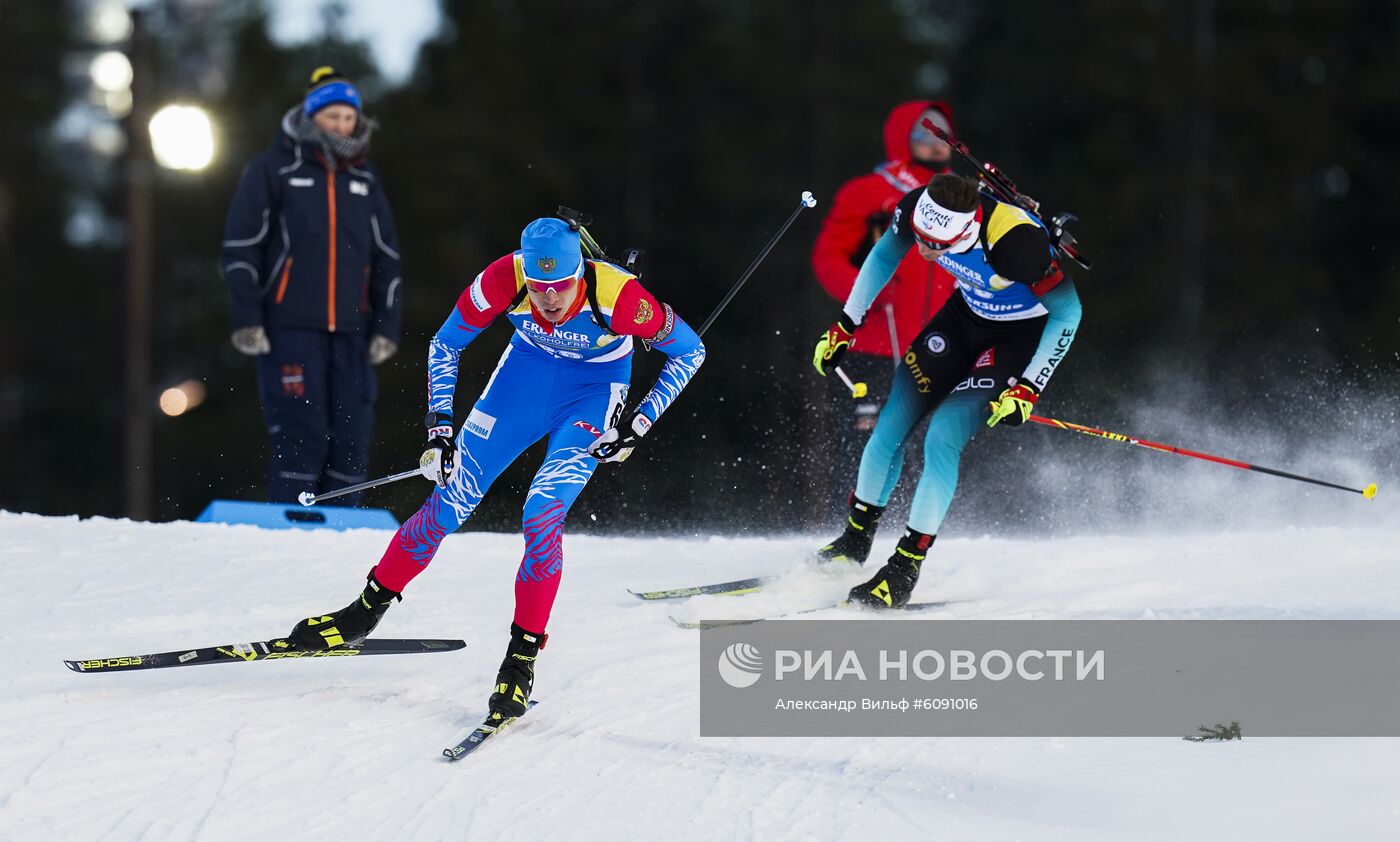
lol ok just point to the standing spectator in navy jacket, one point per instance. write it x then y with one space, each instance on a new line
312 262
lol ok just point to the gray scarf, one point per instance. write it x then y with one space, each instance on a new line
303 129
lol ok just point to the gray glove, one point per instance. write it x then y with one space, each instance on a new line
381 348
251 340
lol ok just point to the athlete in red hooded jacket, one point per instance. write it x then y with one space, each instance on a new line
861 212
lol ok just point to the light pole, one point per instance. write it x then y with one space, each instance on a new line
138 277
178 137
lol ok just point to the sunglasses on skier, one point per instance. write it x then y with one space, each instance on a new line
934 244
559 287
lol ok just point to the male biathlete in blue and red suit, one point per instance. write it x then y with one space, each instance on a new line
984 358
565 376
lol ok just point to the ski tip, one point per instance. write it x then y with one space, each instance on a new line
927 606
72 665
911 607
480 734
717 624
415 644
1369 492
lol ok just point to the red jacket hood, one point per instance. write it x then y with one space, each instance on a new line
901 121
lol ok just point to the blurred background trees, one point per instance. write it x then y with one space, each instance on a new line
1233 163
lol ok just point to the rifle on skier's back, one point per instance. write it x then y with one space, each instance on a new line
1004 188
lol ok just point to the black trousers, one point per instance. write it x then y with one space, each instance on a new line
318 392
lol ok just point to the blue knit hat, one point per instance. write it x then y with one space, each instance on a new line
550 250
328 87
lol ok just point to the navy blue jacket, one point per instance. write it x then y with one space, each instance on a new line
312 245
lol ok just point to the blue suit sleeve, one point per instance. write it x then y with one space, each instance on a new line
444 353
1058 335
247 231
876 271
386 280
685 353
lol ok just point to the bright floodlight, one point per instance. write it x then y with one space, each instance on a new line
174 402
177 400
182 137
111 71
109 22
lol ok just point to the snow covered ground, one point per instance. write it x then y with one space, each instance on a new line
350 749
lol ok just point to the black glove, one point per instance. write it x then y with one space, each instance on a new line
616 443
833 345
439 461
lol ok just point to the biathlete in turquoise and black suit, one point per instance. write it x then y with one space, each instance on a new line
983 359
565 377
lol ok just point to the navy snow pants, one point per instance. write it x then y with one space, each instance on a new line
318 393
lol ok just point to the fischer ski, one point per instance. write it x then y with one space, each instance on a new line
715 624
738 586
481 734
741 586
261 650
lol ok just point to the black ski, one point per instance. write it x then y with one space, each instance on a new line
734 588
715 624
481 734
261 650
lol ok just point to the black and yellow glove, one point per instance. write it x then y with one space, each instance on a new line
1013 406
833 345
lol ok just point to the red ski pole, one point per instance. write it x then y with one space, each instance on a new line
1369 492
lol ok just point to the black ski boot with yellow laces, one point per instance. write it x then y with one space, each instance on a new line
853 544
351 624
517 675
892 584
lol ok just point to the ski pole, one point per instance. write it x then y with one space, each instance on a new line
1369 492
858 390
894 335
808 201
306 498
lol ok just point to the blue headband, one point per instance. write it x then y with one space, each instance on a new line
331 93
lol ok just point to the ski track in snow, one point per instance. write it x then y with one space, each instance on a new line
331 749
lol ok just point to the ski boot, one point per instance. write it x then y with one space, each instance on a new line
892 584
853 545
517 675
350 624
